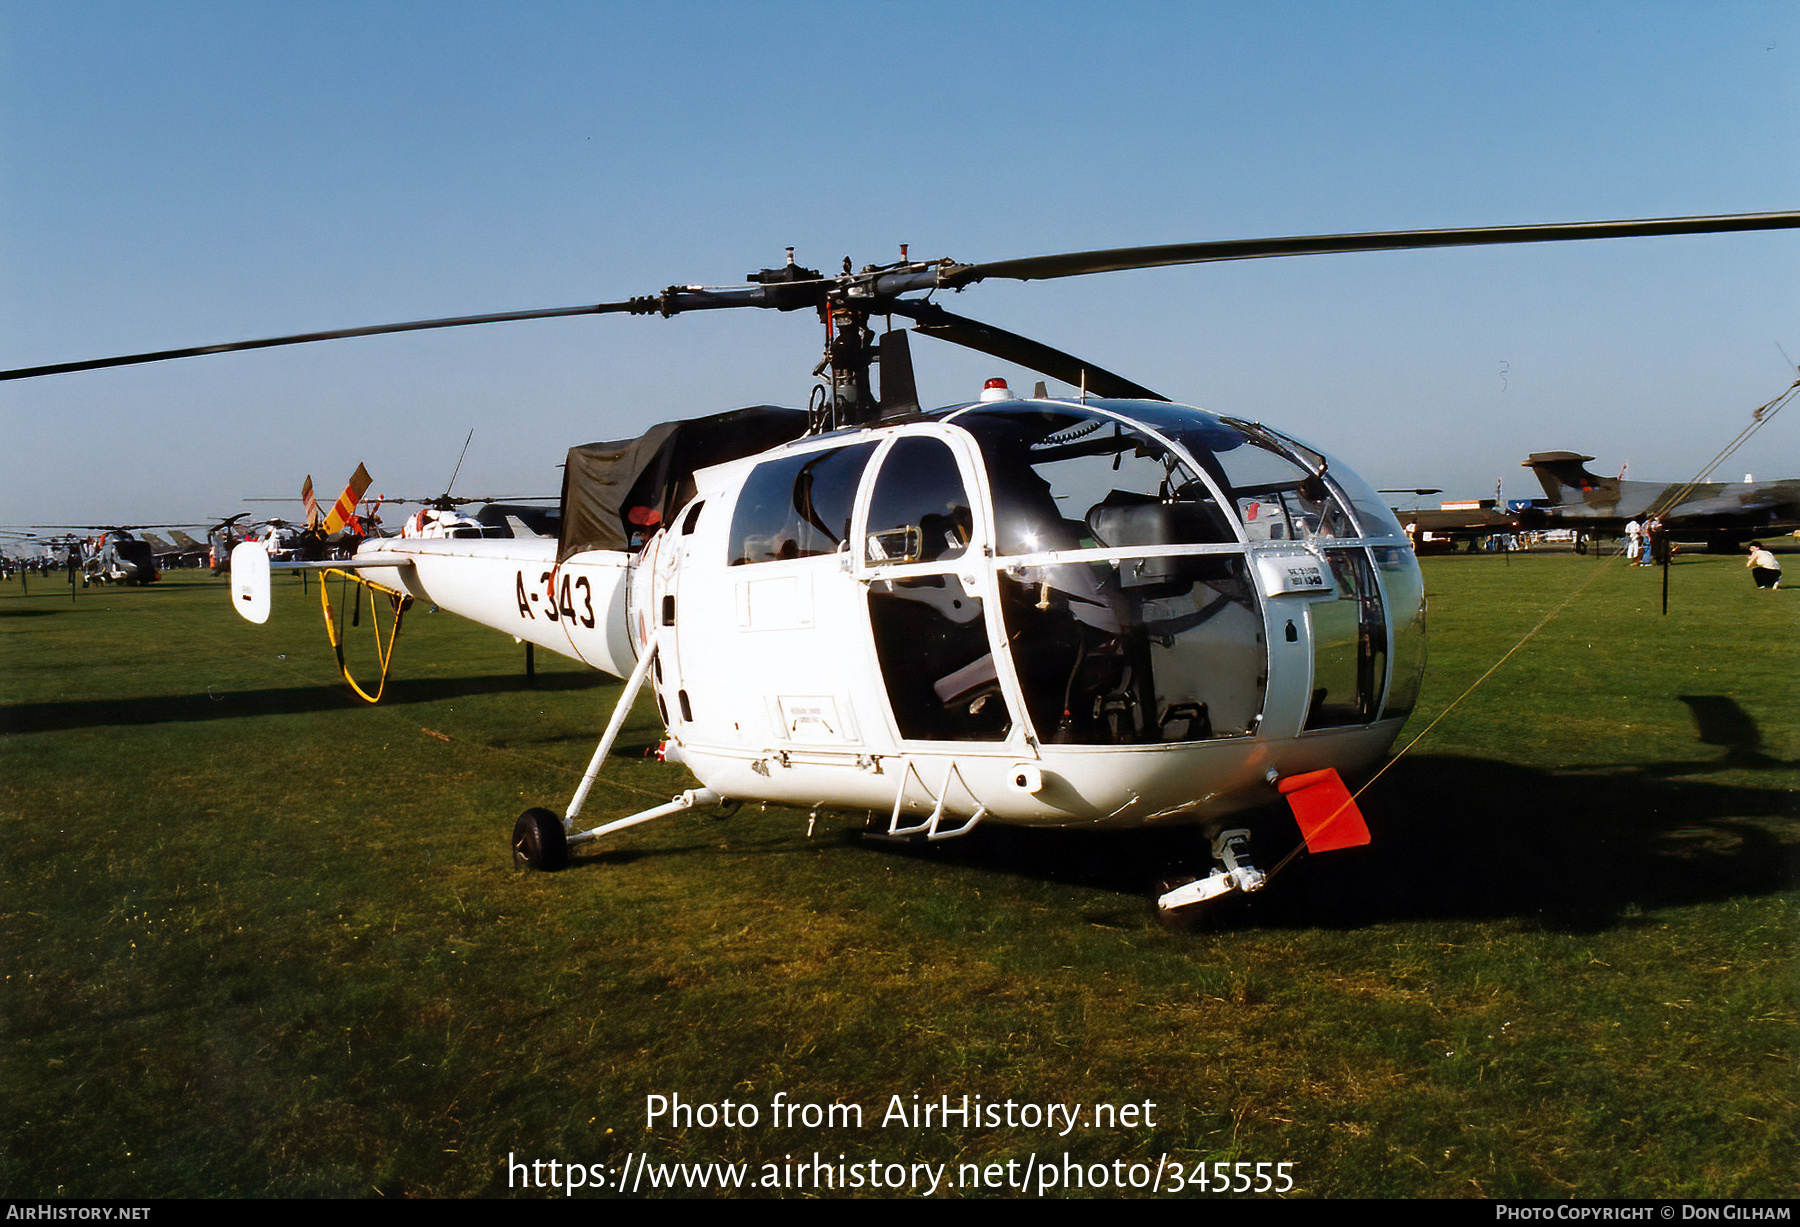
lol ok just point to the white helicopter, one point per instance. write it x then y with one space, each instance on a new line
1101 610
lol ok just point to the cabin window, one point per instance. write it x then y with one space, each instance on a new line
1279 499
797 506
930 631
920 511
1279 488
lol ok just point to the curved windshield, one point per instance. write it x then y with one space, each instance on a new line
1137 650
1279 488
1404 589
1131 539
1371 510
1065 478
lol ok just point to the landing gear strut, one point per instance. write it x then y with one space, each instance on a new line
541 840
1232 850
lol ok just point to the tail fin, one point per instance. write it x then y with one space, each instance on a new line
345 507
1565 478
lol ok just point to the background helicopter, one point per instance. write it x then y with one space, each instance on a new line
333 533
441 514
114 553
221 539
1097 610
25 553
337 532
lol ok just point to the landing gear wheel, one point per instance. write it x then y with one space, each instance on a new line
538 841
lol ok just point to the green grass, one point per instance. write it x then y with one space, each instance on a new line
259 939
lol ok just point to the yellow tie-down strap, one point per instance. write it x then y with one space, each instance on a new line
398 602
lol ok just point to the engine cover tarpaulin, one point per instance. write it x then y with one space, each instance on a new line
611 489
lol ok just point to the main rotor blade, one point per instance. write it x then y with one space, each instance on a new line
882 292
94 364
1078 263
934 321
675 299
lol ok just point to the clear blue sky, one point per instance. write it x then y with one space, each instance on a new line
184 173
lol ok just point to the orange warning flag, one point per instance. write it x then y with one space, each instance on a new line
1326 812
346 504
312 504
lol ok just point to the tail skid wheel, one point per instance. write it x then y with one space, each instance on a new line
538 841
1216 912
1174 919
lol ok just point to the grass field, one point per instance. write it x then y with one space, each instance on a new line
262 940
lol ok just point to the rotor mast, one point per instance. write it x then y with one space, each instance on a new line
844 305
849 351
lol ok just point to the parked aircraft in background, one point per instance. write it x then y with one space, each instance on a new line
184 551
1721 515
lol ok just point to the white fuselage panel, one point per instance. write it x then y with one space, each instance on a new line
516 586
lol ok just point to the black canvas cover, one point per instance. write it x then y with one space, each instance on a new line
614 494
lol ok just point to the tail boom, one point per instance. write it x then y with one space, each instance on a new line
575 608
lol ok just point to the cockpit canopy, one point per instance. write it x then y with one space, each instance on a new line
1113 474
1131 543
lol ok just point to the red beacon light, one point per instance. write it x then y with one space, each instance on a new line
996 389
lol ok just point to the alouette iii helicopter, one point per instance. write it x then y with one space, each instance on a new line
1101 610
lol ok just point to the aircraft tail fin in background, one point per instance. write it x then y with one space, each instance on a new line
345 507
1565 477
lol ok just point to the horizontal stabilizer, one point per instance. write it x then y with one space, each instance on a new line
1325 810
362 562
251 568
250 581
